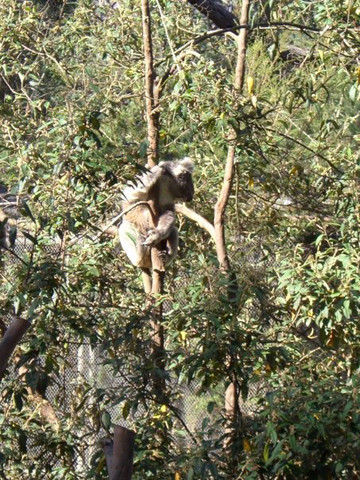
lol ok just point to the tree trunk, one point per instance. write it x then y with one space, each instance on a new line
158 353
151 97
152 93
233 412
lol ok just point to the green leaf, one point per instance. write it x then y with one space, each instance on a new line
210 407
126 410
266 452
190 474
29 237
27 211
106 420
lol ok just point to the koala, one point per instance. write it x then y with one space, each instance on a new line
149 214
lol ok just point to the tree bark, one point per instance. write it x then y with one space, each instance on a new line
10 340
233 412
151 96
158 340
192 215
152 93
215 11
242 40
221 204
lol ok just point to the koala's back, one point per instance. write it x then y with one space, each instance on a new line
140 217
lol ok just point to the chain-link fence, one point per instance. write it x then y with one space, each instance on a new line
85 364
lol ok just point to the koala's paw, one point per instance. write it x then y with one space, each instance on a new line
163 256
152 238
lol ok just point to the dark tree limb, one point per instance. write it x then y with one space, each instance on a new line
215 11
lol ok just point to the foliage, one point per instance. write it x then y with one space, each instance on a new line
73 132
310 421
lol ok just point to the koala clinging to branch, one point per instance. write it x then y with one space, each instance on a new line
148 233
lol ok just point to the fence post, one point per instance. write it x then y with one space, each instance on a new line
10 340
119 454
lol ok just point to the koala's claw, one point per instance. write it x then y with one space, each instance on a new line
152 239
163 255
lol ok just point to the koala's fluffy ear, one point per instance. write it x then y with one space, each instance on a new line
187 163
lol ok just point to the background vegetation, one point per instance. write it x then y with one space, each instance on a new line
73 132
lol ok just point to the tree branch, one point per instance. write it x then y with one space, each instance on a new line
220 207
233 429
260 26
192 215
301 144
215 11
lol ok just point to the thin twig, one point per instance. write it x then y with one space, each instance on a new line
288 137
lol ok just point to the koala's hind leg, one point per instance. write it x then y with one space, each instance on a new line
132 243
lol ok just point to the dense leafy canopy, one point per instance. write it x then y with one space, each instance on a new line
73 132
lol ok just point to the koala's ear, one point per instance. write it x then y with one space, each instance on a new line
187 163
165 168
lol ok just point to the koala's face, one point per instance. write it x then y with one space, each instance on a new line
185 186
180 181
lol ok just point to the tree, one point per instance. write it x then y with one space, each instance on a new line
73 132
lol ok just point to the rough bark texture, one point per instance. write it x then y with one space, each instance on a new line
215 11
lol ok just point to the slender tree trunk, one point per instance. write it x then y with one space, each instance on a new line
223 199
233 412
158 352
10 340
151 96
242 40
152 93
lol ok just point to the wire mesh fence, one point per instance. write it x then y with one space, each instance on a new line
85 365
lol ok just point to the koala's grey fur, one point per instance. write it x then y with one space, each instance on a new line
152 223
